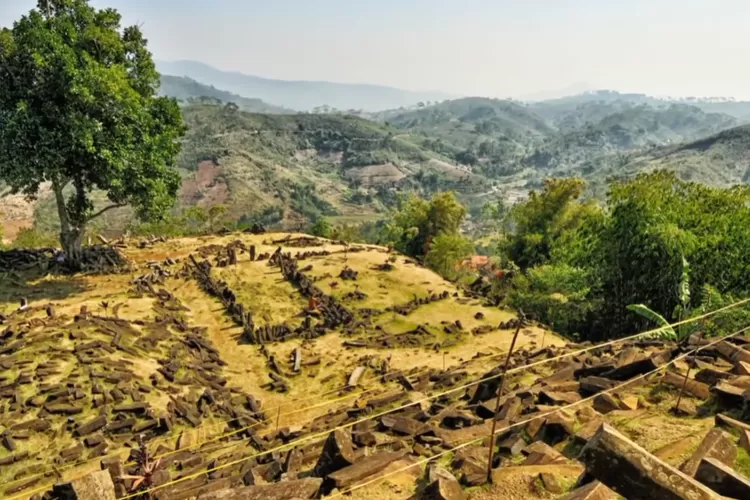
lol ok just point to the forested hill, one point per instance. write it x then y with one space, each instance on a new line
623 131
521 144
553 108
298 167
722 159
187 90
290 169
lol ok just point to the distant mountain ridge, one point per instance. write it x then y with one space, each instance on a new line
187 90
300 95
552 107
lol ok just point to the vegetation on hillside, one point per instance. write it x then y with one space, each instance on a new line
577 136
311 165
582 266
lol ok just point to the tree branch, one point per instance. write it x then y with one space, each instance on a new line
105 209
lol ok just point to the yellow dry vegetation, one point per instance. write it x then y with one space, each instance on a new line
272 300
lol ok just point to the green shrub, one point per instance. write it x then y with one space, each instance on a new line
31 237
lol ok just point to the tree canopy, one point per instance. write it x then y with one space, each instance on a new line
416 222
544 217
661 242
79 110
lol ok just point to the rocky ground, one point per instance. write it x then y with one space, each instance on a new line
282 366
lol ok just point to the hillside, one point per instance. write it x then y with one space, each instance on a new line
304 165
520 144
553 108
299 95
722 159
284 170
187 90
623 128
317 370
287 169
472 128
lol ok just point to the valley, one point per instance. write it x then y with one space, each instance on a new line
332 281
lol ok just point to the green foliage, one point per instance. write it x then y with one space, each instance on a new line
558 295
170 226
446 252
635 252
322 228
544 218
305 200
192 221
416 222
267 217
201 221
667 331
79 107
31 237
656 221
720 324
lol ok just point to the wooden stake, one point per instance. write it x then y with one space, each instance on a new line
682 389
676 408
443 360
278 417
521 318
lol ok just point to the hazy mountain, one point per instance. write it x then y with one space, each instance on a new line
187 90
573 89
300 95
625 128
722 159
553 109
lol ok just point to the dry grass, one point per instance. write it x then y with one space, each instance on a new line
272 300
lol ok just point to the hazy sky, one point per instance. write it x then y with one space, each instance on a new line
472 47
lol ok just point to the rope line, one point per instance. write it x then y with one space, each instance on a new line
311 437
570 405
372 417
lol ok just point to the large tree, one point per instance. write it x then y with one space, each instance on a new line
416 222
544 218
78 109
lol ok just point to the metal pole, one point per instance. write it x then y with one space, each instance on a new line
499 395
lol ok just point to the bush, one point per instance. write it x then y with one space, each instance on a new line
269 216
557 295
321 228
446 252
31 237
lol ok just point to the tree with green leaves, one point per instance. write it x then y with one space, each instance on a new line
446 253
79 110
544 218
415 223
657 223
321 227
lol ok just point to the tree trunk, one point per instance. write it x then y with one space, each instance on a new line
71 236
72 243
